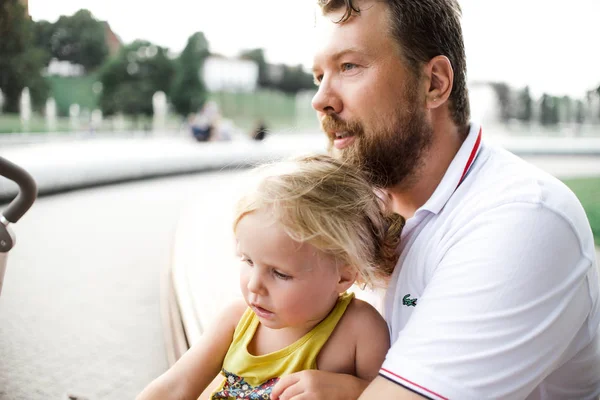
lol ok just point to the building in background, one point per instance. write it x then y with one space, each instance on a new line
222 74
484 103
58 67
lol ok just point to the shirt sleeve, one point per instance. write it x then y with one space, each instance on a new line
499 311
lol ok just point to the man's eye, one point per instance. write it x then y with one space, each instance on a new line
317 79
348 66
246 260
281 275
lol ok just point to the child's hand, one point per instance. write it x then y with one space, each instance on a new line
318 385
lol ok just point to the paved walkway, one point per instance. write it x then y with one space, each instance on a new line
79 311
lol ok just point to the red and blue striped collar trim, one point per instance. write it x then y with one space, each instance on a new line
472 156
457 172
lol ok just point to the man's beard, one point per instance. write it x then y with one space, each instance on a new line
391 154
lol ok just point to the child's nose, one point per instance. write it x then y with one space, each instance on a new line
255 284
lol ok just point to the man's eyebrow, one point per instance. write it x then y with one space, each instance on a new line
336 56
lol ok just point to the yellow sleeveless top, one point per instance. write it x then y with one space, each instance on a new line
252 377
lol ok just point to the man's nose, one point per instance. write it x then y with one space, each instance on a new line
327 100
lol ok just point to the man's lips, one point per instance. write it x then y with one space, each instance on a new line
341 135
337 133
341 140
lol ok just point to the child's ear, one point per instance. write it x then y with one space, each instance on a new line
348 276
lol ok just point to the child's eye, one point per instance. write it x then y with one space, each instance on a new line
281 275
246 260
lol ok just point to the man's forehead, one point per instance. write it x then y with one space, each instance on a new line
331 37
328 32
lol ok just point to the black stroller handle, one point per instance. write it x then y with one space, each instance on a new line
27 190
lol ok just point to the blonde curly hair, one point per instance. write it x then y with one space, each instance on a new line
331 206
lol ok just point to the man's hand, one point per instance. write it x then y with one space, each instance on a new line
318 385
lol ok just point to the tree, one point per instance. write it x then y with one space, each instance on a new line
548 110
43 31
503 92
188 92
288 79
566 109
598 94
579 112
524 113
130 80
20 62
258 56
79 39
295 79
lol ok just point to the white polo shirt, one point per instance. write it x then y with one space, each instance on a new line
495 295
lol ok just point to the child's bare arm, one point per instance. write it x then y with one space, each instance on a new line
190 375
372 341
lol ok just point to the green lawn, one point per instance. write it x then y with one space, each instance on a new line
278 110
69 90
588 192
11 123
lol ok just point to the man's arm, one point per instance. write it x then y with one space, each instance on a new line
381 388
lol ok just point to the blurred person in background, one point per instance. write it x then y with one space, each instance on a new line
205 121
224 131
495 295
260 131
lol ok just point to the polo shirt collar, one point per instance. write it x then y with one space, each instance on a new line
457 171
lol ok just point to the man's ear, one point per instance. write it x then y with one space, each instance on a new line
347 277
440 80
